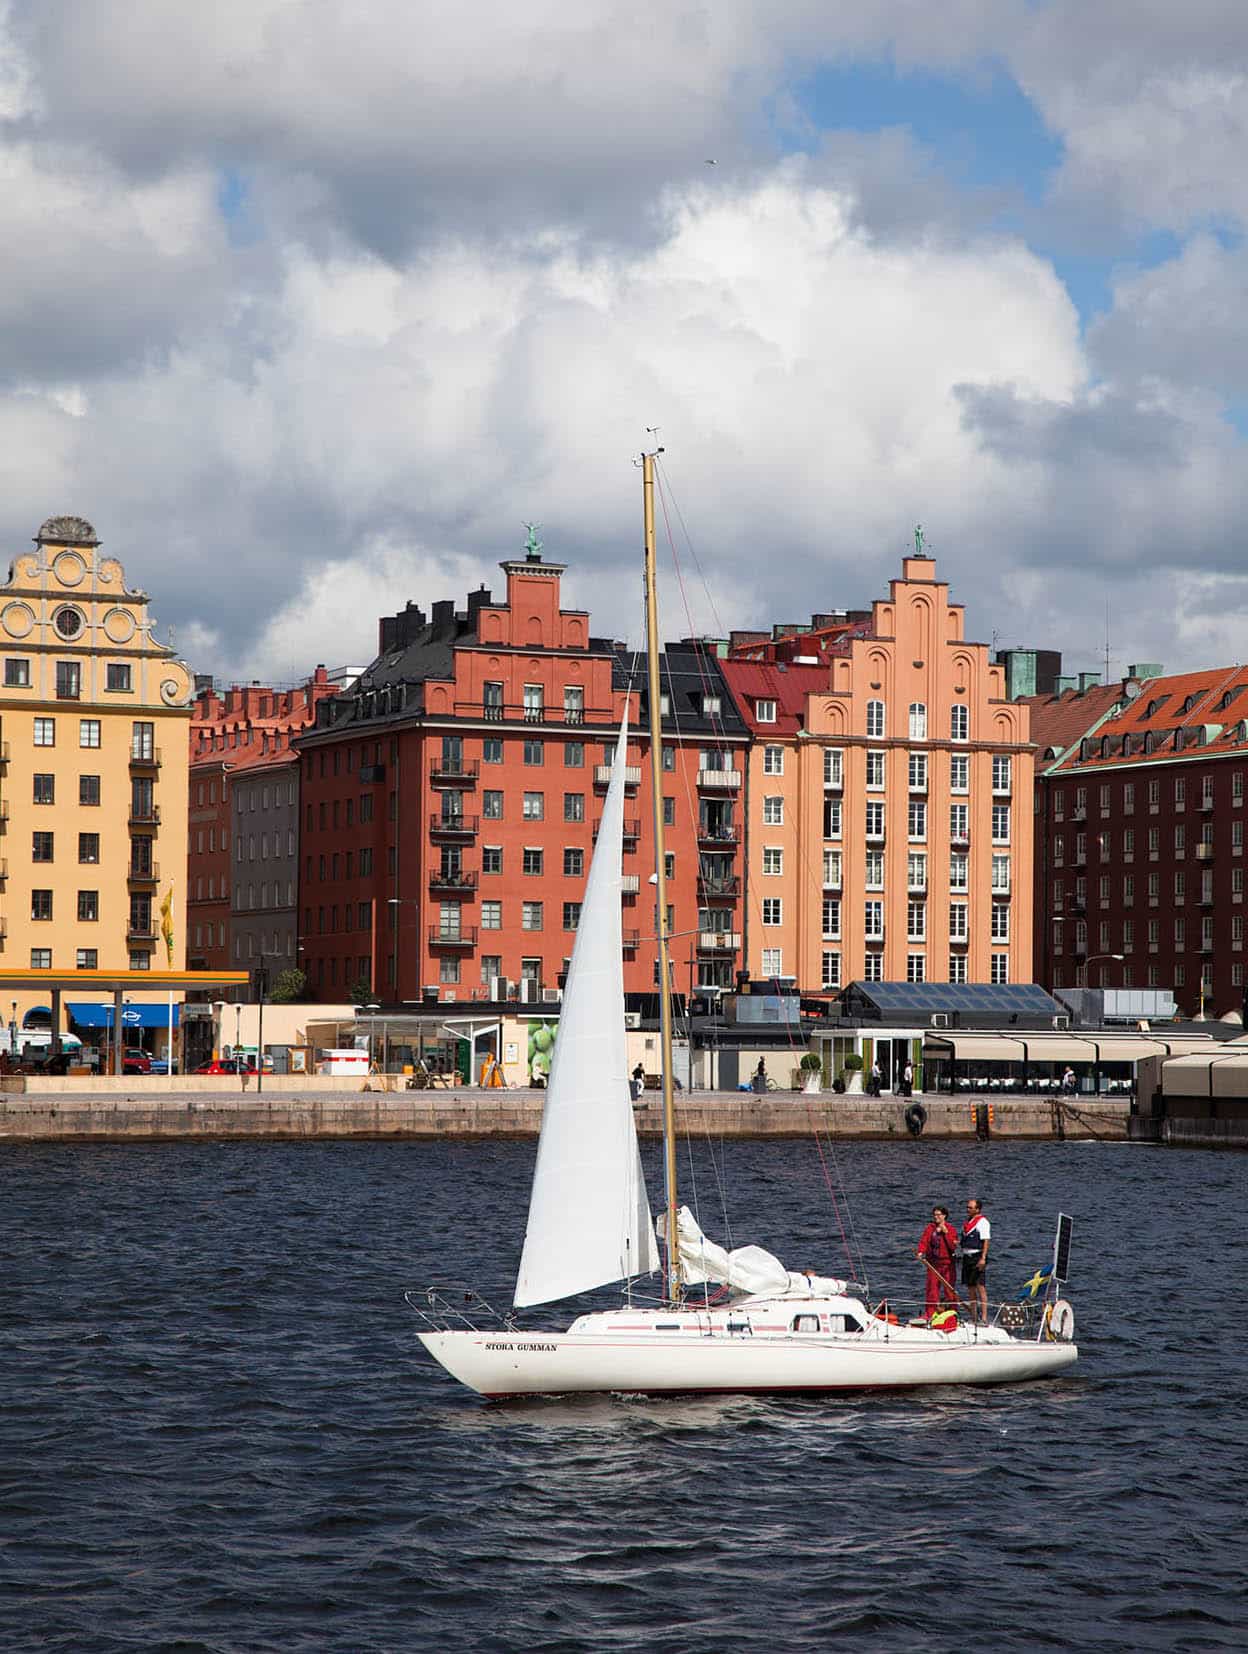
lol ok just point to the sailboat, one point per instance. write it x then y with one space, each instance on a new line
766 1328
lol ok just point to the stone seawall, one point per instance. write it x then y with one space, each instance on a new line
469 1113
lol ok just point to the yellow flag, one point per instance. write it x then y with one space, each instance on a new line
166 923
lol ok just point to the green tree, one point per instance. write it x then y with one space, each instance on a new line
361 992
288 987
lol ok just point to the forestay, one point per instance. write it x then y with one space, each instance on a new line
748 1269
589 1216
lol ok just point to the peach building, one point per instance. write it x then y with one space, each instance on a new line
888 800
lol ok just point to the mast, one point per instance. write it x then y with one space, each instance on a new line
660 870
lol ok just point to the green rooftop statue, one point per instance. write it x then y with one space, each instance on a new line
918 540
533 546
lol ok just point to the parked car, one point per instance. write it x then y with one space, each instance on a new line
135 1061
160 1065
222 1065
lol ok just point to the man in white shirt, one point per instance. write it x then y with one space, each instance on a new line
976 1234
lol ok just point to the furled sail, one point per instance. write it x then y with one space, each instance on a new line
748 1269
589 1216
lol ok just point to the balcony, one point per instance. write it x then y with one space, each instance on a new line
719 781
632 831
144 758
719 887
464 937
143 874
630 884
960 839
632 940
513 712
1079 813
451 884
832 881
1206 802
834 784
604 772
959 941
1206 944
454 772
915 887
718 941
453 827
717 837
1204 852
144 815
141 933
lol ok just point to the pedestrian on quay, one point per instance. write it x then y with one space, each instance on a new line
976 1234
760 1076
907 1079
938 1251
1068 1079
876 1079
638 1084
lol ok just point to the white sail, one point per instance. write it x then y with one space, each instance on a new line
748 1269
589 1216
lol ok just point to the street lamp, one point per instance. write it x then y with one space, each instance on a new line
1096 957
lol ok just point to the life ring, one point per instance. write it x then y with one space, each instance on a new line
1062 1320
916 1119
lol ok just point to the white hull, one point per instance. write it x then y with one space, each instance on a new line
632 1352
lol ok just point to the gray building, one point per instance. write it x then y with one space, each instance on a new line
265 867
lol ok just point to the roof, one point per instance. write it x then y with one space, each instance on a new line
66 531
976 998
787 686
1190 715
688 671
1058 721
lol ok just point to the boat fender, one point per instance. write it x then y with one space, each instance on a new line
1062 1320
916 1119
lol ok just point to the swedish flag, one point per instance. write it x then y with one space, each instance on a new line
1036 1285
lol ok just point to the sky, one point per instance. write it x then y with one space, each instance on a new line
309 306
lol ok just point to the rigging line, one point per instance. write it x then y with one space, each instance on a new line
716 1167
680 516
853 1267
849 1209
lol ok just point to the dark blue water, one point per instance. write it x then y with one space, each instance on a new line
219 1432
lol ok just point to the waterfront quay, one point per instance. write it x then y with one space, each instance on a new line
312 1112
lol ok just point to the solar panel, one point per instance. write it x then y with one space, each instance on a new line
984 998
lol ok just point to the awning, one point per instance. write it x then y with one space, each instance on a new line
1212 1075
1059 1048
974 1047
132 1016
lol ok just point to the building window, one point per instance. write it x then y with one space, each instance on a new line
874 869
1180 792
573 863
88 732
491 916
916 921
41 904
918 721
916 967
143 745
534 806
573 704
959 772
140 961
491 750
875 819
773 859
1128 935
773 910
534 754
574 806
999 968
669 812
86 959
45 732
571 915
41 846
119 677
832 869
831 970
959 830
1000 823
1001 873
88 847
873 967
957 967
1000 930
573 755
534 703
448 970
833 767
491 858
41 959
916 871
832 818
1001 768
959 723
959 872
68 680
957 921
773 811
773 760
710 706
916 766
831 919
531 916
491 967
532 861
45 789
492 805
875 770
916 819
873 921
88 905
16 672
875 720
765 711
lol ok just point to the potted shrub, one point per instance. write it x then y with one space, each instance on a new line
811 1066
851 1073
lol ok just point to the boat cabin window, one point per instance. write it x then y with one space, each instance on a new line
739 1326
805 1323
844 1323
667 1326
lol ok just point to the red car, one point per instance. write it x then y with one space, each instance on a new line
225 1065
134 1061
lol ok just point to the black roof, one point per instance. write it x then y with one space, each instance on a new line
688 671
979 999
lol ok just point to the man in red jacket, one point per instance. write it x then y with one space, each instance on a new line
938 1247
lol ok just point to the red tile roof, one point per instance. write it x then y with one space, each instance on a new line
788 686
1058 720
1190 714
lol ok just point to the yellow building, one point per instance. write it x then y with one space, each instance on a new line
93 769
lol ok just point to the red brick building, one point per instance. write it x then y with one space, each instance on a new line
1140 836
245 729
450 801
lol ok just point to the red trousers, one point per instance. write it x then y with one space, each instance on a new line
939 1287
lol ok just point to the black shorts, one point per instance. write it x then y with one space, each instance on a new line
974 1273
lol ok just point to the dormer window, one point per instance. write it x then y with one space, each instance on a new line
1190 702
710 706
765 711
